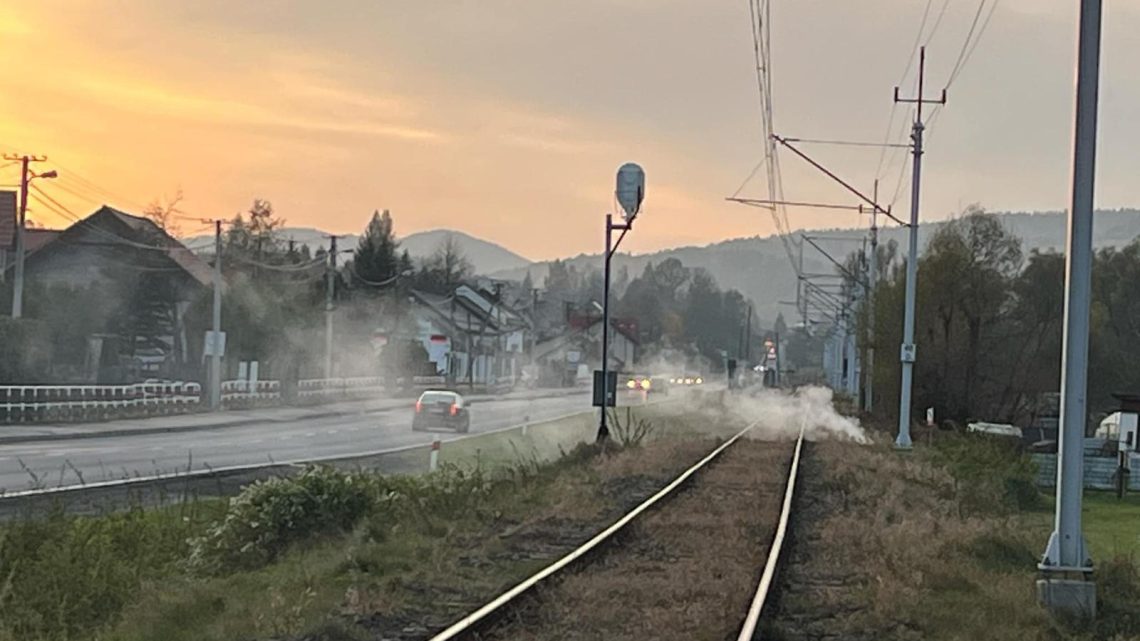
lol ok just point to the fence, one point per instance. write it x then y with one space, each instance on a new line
1100 471
325 389
66 403
244 393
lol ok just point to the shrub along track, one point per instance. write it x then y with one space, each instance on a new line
684 571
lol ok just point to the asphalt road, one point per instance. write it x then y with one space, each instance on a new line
56 463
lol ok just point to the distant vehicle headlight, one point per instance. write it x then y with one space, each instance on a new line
631 384
645 384
700 380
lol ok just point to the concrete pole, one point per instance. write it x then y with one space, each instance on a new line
907 351
1066 553
18 283
869 382
216 355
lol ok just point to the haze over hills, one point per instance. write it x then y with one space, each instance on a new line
487 257
757 266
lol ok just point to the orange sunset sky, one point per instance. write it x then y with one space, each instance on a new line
507 118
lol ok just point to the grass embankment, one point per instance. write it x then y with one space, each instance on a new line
330 555
939 543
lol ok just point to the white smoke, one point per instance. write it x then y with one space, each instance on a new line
783 413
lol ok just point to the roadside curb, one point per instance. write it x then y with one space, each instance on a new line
144 431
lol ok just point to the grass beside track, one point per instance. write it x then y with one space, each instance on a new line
939 544
328 555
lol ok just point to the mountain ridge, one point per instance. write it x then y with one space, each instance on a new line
757 266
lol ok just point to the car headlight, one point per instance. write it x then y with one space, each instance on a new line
700 380
631 384
645 384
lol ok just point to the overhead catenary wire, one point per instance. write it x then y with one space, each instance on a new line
760 27
906 71
981 32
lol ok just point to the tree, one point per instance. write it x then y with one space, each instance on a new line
781 326
406 264
165 213
252 236
446 268
375 259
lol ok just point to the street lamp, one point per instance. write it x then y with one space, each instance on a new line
630 192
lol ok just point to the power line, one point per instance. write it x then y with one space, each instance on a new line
99 230
966 42
902 80
300 267
937 23
954 74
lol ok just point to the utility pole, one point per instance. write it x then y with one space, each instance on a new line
872 281
748 337
330 283
907 351
1067 565
216 340
21 222
799 286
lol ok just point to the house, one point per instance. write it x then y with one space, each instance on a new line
144 282
471 336
569 357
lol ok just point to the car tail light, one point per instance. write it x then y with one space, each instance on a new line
419 406
454 409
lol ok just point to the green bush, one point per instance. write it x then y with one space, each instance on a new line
268 516
991 476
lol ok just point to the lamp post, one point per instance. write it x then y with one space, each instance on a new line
629 193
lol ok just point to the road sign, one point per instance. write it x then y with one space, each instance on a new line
215 344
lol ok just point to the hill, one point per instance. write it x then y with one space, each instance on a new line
487 257
760 269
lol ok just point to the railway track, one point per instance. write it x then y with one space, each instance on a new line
696 560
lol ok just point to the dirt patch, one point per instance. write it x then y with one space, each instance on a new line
685 571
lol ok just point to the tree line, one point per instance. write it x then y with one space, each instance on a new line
989 322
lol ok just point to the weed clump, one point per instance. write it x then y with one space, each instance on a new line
990 476
63 576
268 516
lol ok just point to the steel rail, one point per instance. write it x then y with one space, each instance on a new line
748 630
466 623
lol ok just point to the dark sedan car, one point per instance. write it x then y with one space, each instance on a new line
442 409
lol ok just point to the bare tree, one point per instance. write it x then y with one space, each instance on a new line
165 212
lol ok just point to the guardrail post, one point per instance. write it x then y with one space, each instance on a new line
433 458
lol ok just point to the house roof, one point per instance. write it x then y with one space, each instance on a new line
36 238
469 312
118 228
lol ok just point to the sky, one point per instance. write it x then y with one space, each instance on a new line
508 118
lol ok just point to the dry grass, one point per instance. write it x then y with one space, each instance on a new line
884 549
685 572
